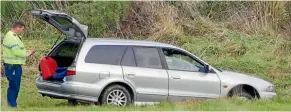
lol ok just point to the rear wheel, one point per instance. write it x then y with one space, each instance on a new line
116 95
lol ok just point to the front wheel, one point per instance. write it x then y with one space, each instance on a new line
116 95
243 95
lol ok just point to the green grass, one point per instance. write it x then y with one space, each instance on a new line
257 60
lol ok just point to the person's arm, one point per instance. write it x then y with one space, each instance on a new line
18 51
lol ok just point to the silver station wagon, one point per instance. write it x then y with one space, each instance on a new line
122 72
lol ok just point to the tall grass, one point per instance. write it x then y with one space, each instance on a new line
248 17
270 17
100 16
14 10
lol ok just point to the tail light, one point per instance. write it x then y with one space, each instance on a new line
71 70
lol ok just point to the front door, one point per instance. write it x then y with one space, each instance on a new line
187 77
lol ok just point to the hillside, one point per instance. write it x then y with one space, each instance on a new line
248 37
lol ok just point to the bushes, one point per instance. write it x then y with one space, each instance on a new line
100 16
132 19
41 36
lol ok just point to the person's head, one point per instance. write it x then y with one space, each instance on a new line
18 27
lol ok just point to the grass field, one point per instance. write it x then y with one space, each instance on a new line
258 60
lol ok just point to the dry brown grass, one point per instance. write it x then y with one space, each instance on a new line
156 20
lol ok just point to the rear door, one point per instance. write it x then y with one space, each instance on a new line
96 66
142 67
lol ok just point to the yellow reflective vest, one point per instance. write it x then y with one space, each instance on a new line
13 49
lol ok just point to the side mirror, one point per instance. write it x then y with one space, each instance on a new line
207 69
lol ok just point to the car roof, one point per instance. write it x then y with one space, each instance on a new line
117 41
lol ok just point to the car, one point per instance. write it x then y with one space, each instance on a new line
123 72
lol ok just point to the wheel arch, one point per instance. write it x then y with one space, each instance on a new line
247 88
127 86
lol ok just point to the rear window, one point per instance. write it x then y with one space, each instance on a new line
128 58
63 22
105 54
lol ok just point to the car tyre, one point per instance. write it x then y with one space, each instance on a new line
244 95
116 95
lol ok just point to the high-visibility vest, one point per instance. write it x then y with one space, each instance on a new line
13 49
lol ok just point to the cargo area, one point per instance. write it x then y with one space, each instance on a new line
63 55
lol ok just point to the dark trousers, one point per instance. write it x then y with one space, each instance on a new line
13 73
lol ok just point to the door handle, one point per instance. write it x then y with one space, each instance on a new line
130 74
176 77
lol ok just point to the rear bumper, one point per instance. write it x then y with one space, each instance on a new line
63 90
67 96
267 95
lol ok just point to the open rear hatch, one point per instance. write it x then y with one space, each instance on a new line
66 24
63 22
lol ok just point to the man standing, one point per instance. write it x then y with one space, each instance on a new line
14 56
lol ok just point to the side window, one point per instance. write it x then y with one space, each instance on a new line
128 58
105 54
147 57
177 60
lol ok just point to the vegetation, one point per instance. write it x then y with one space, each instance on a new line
249 37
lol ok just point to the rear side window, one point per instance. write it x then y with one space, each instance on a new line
105 54
147 57
128 58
